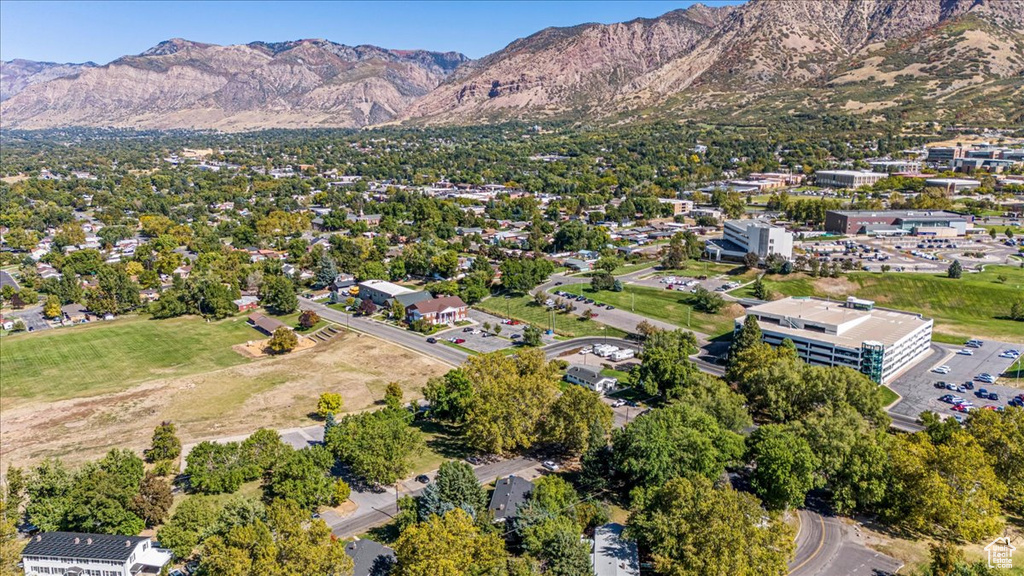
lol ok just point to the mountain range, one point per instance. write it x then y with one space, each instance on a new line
932 59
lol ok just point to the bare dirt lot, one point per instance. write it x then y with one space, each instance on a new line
271 392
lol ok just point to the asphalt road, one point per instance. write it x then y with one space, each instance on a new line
404 338
824 548
361 522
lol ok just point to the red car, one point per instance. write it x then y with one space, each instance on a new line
458 340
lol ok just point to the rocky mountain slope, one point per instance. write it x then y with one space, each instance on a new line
16 75
800 53
557 70
183 84
913 59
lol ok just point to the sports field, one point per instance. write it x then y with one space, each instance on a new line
111 356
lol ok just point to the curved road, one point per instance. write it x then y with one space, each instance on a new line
817 542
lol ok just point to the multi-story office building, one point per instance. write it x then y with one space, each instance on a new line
878 342
742 237
850 222
847 178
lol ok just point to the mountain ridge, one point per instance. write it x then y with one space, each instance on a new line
871 57
180 83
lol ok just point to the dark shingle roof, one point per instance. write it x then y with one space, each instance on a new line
413 298
266 323
509 494
77 545
370 558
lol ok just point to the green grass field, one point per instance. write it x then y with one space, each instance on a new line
108 356
524 309
975 305
669 305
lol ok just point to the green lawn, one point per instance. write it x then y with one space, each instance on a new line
888 396
443 442
524 309
711 269
108 356
975 305
668 305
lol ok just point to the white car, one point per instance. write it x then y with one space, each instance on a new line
941 370
549 465
965 352
618 403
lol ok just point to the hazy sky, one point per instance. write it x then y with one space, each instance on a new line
103 31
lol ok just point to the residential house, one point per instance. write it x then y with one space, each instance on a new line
74 313
371 558
613 555
246 303
509 494
265 323
148 295
343 281
577 264
6 323
93 554
590 377
443 310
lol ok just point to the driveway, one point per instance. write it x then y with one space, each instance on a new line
917 386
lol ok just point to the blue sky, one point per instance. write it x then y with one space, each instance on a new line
103 31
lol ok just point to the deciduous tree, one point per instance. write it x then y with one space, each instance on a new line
449 545
694 529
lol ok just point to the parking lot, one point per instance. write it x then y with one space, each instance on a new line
479 340
918 386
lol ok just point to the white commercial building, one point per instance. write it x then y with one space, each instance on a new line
875 341
742 237
92 554
847 178
381 292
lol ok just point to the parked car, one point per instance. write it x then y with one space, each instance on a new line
423 479
993 396
458 340
470 329
609 307
618 403
948 399
965 352
549 465
969 385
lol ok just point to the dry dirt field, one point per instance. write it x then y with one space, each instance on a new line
270 392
